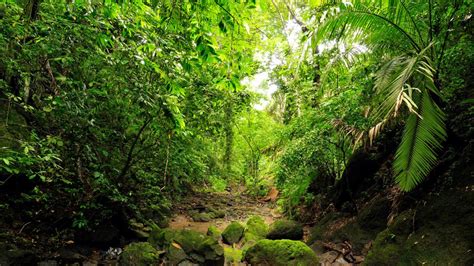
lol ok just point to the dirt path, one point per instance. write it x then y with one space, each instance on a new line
232 207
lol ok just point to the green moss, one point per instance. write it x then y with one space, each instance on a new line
218 214
161 238
257 226
256 229
285 229
195 247
280 252
232 255
213 232
175 255
141 253
233 233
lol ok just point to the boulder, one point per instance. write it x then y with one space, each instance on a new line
285 229
233 233
161 238
280 253
141 253
200 248
187 246
256 229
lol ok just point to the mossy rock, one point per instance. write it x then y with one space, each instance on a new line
233 233
161 238
202 217
175 255
257 227
217 214
141 253
280 253
188 245
285 229
214 232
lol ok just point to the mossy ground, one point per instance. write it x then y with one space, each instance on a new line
438 233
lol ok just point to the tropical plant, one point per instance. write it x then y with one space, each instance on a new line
411 43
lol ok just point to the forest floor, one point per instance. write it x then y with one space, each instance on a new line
233 206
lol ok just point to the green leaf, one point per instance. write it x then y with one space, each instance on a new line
422 139
6 161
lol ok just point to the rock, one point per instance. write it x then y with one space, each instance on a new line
45 263
280 253
187 263
285 229
197 246
141 253
201 217
161 238
213 232
256 229
70 255
188 245
140 234
175 255
233 233
218 214
138 230
10 255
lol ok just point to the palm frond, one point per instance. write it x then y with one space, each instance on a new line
422 139
393 80
380 29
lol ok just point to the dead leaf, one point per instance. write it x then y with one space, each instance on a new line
272 195
176 245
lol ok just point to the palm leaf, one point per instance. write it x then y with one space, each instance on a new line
422 139
379 29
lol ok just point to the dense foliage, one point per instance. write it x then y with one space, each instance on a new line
118 103
126 105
